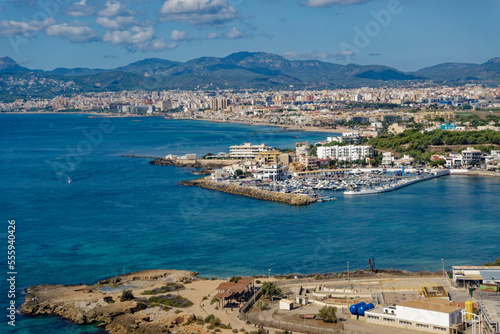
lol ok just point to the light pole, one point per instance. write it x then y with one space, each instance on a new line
442 260
348 270
269 273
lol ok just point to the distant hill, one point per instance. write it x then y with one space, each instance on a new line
9 66
241 70
488 72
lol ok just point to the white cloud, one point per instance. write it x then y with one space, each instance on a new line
157 44
80 9
316 55
142 38
133 36
75 32
179 35
198 11
234 33
213 35
118 23
325 3
345 53
10 28
114 8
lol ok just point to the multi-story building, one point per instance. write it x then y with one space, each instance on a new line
302 148
272 172
347 137
248 150
268 157
308 161
471 156
346 153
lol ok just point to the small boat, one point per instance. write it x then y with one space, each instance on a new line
327 199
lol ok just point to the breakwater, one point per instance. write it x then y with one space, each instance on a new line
266 195
198 163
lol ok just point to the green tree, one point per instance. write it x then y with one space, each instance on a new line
269 290
262 305
238 172
328 314
496 263
126 295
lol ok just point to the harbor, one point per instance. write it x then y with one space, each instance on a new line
307 190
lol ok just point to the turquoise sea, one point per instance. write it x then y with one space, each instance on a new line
121 214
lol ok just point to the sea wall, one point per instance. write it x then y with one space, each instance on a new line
291 199
198 163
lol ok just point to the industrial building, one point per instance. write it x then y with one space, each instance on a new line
432 315
475 276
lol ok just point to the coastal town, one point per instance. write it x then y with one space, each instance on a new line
380 139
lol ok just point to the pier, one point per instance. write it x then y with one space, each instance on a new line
400 184
266 195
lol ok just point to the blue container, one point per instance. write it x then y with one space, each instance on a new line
362 309
354 308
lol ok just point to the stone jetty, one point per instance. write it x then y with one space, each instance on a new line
266 195
198 163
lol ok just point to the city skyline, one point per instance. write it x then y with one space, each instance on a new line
407 35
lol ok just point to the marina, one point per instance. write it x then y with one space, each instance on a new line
349 182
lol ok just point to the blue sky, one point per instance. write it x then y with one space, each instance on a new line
405 34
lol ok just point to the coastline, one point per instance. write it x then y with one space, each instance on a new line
280 126
102 303
338 130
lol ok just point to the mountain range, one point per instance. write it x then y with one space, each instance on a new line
250 70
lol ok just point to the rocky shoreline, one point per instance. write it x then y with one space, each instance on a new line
101 303
291 199
198 163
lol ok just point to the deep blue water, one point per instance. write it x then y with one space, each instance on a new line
122 214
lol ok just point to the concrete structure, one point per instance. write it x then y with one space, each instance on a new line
308 161
471 156
248 150
220 174
473 276
346 153
302 148
347 137
431 315
268 158
273 172
286 304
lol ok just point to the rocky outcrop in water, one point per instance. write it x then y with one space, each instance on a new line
292 199
85 304
199 163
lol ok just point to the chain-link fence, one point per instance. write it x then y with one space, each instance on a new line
294 327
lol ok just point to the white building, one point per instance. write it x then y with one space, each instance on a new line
433 315
346 153
350 137
248 150
273 172
387 159
471 156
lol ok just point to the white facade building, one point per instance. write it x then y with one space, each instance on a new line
248 150
346 153
273 172
432 315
